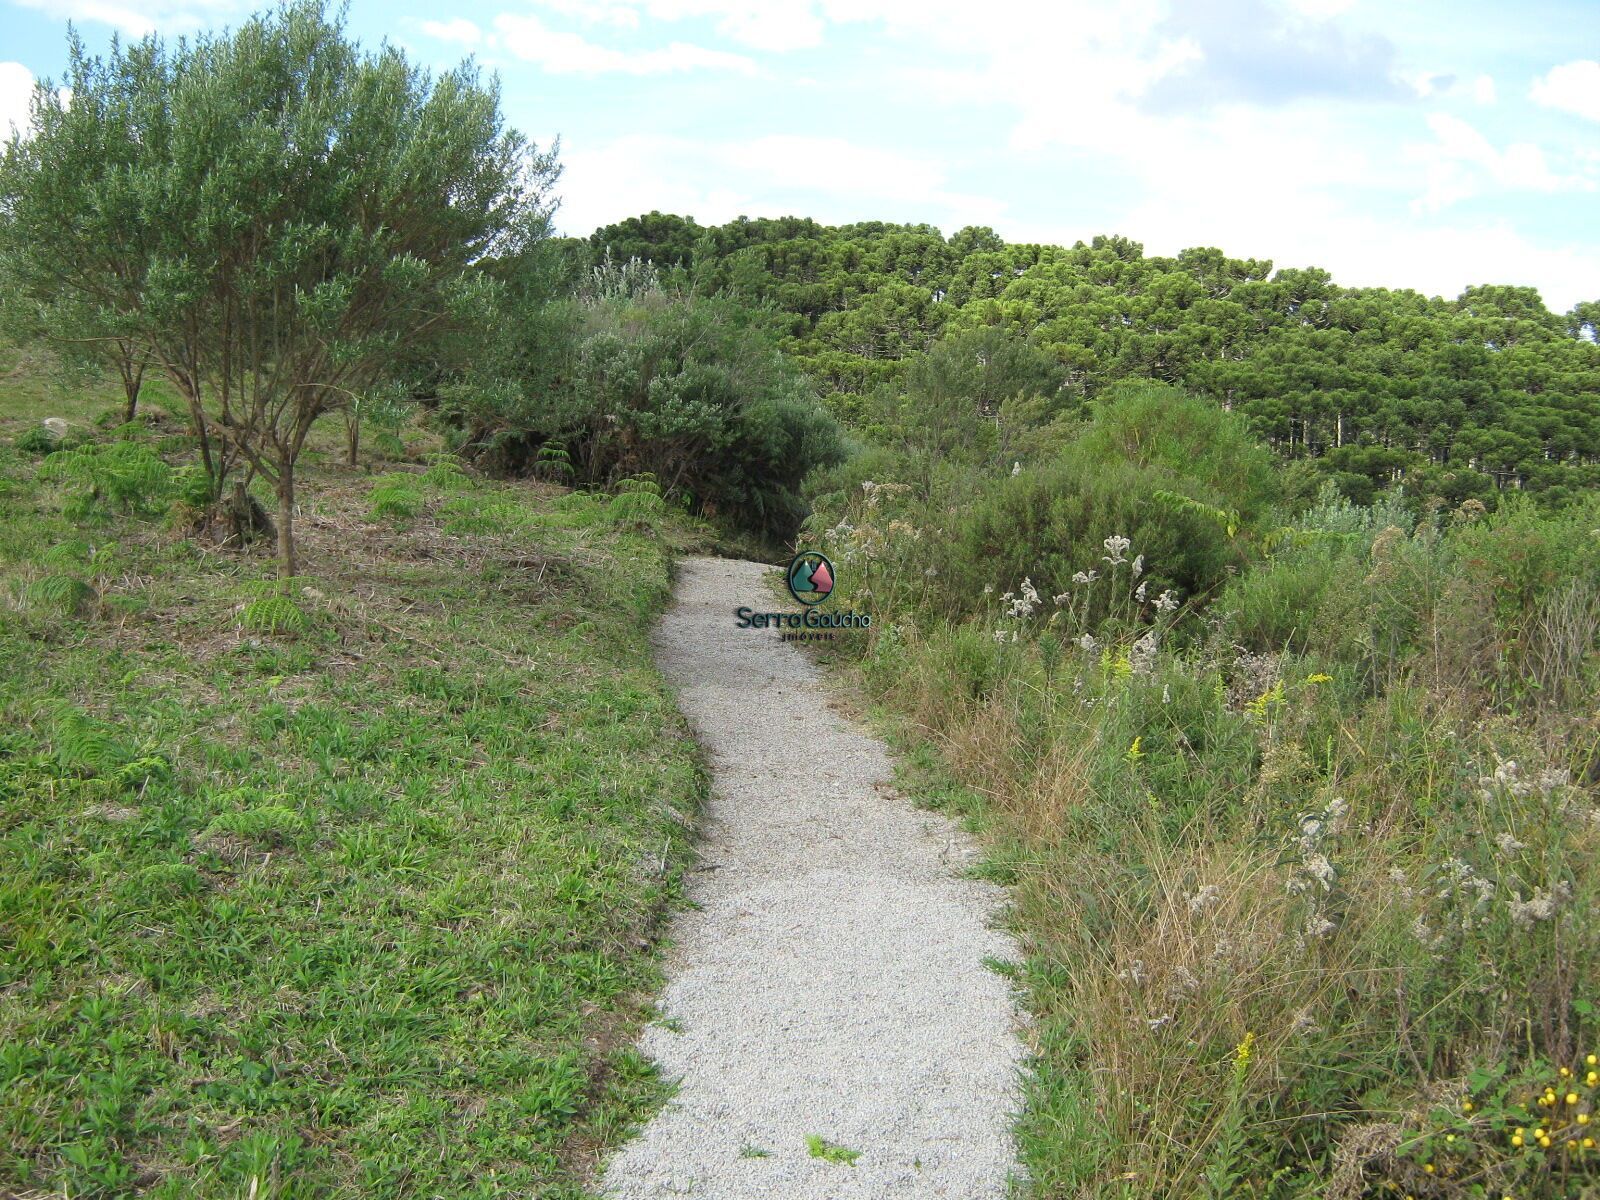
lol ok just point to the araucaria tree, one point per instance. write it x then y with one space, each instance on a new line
275 215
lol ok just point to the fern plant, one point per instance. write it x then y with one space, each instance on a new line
74 552
60 593
638 500
273 609
116 476
84 746
1226 519
553 462
446 473
395 497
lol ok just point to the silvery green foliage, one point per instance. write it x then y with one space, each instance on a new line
276 215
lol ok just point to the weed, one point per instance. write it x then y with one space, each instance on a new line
819 1147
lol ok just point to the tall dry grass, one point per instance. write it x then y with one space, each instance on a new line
1350 834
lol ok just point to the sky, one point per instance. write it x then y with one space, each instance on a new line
1420 144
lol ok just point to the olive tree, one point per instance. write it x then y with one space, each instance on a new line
276 215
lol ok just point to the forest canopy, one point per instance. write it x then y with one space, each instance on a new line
1454 398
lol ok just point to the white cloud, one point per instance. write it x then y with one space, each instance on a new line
458 29
16 91
1321 10
775 25
1371 251
1429 84
1461 160
621 15
1572 87
830 179
139 17
570 54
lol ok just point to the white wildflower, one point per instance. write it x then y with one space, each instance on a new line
1424 933
930 573
1117 547
999 635
1166 602
1543 905
1022 606
1508 844
1320 869
1016 469
1143 655
1303 1023
1138 566
1507 777
1088 643
1166 693
1205 898
1318 926
1085 576
1138 592
1184 984
1061 599
1551 779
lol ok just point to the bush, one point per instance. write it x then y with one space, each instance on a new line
1050 525
690 390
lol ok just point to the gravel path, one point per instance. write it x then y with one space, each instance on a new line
831 978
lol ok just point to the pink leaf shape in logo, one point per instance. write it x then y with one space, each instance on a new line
821 579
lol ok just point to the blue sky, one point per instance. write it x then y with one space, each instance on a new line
1425 144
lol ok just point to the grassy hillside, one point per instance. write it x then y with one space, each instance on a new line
342 887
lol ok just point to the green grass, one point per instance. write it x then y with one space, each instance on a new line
819 1147
345 887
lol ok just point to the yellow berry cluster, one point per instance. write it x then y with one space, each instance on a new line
1568 1112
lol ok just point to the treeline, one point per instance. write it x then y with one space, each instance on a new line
1376 387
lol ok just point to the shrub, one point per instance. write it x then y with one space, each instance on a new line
688 389
1050 524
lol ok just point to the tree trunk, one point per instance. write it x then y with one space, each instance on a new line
244 519
352 430
286 555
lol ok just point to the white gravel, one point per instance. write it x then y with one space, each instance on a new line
831 978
